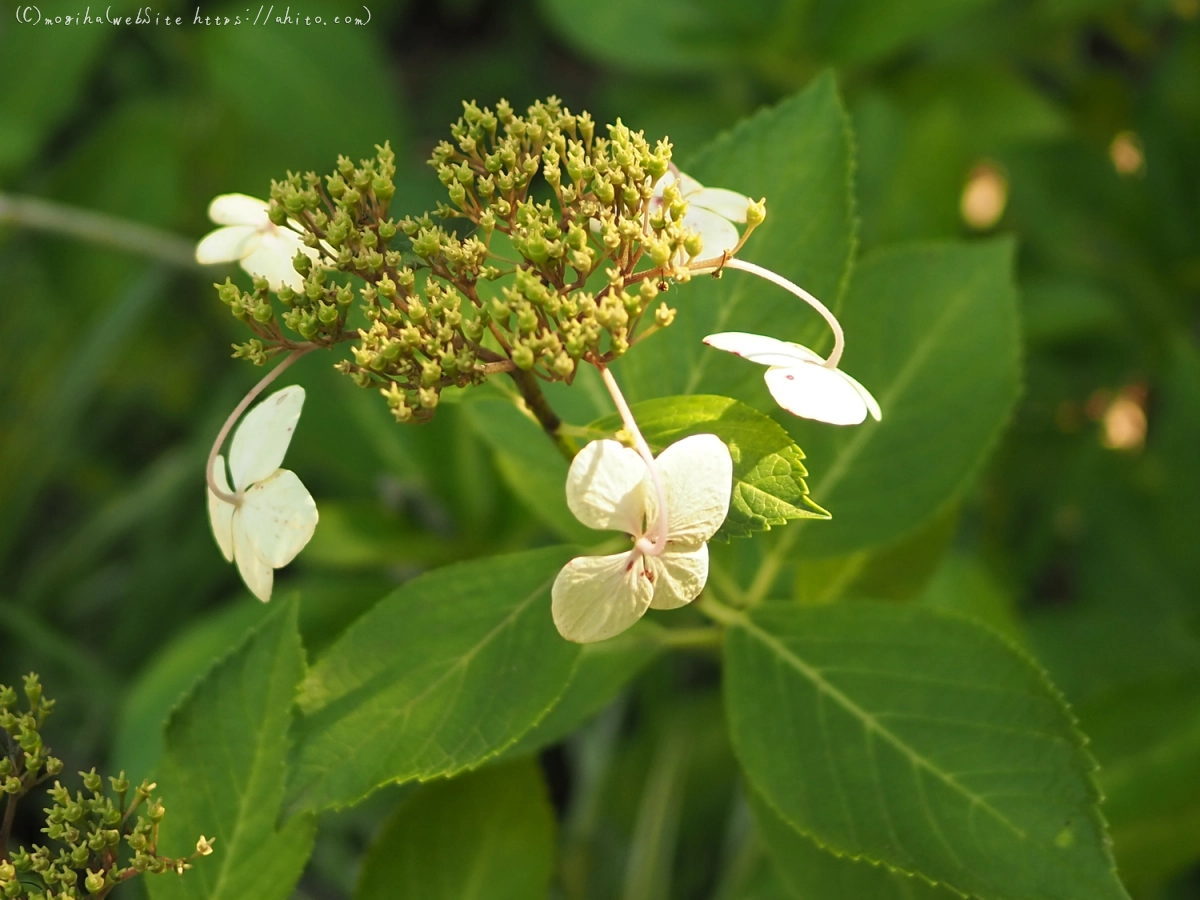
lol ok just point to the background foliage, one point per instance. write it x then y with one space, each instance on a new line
1072 531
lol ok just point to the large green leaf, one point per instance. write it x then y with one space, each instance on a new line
223 770
920 741
932 331
604 668
672 35
531 466
489 834
799 155
446 671
1132 673
811 873
768 467
167 678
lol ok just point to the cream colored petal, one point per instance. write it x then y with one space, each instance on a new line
220 513
597 597
261 441
725 203
605 487
679 576
259 576
279 517
872 403
758 348
688 186
229 244
813 391
717 232
697 475
273 259
239 209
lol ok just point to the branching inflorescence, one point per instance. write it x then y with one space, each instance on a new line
103 839
546 273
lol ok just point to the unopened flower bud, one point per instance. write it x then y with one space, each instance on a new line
427 398
756 212
522 356
664 315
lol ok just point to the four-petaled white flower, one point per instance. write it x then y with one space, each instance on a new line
801 381
609 487
711 212
250 238
275 516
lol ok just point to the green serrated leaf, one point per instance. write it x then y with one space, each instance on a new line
768 468
812 873
604 668
531 466
443 673
487 834
799 155
932 331
222 774
920 741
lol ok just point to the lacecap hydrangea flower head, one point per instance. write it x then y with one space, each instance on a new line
501 281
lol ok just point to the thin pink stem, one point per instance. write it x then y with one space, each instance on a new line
839 340
658 541
236 499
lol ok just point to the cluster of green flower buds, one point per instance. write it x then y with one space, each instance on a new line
552 250
87 827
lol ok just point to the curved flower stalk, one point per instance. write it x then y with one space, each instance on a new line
272 516
711 212
611 487
250 238
801 380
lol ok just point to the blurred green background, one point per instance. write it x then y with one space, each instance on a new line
1073 125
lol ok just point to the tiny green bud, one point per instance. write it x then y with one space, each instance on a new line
94 881
383 188
33 689
522 356
756 212
431 373
664 315
427 398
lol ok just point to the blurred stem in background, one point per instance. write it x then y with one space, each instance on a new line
97 228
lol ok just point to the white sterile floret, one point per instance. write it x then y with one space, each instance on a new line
250 238
276 515
711 212
800 380
609 487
